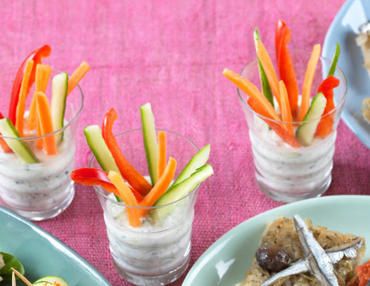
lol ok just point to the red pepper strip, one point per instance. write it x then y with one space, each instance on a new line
36 56
97 177
285 64
327 121
132 176
3 144
363 272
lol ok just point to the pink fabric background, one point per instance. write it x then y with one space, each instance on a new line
171 53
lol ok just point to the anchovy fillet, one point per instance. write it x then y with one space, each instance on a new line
302 266
305 265
319 261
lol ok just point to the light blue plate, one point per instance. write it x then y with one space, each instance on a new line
43 254
343 30
227 260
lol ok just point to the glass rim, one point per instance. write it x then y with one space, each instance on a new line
100 191
338 106
55 132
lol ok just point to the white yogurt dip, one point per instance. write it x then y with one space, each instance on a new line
42 187
290 173
154 249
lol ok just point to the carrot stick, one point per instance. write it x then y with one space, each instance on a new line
252 91
286 113
44 116
128 171
307 83
162 146
127 197
279 129
266 62
77 75
3 143
162 184
43 73
39 142
23 97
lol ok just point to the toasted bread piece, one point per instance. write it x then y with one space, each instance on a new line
282 234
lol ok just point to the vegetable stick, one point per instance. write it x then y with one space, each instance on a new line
3 144
77 75
307 83
265 86
252 91
162 146
334 62
286 113
97 177
36 56
285 65
39 142
279 129
161 186
43 73
44 116
266 62
327 121
127 197
133 177
23 97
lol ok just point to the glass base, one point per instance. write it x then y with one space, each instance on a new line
49 213
300 193
158 280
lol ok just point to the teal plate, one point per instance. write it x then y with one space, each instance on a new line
227 260
343 30
44 255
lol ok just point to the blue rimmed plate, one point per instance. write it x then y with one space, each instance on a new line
226 261
44 255
343 30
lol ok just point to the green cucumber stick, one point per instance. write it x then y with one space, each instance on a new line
334 62
266 89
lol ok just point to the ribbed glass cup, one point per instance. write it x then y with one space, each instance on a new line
284 172
158 252
42 190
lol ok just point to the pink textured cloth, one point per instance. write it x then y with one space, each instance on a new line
172 53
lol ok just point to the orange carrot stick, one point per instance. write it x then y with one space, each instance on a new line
77 75
39 141
161 186
279 129
271 74
162 146
23 97
307 83
252 91
127 197
43 73
43 111
286 112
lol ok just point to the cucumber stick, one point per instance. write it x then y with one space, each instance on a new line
179 191
334 62
306 131
263 77
19 147
198 160
100 150
49 281
150 140
58 102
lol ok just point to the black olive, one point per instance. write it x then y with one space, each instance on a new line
272 259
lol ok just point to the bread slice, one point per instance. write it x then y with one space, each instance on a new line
281 234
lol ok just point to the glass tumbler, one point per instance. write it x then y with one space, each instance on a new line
157 252
41 190
286 172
